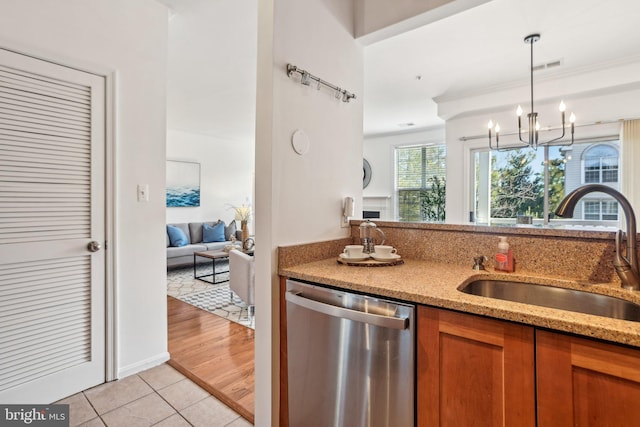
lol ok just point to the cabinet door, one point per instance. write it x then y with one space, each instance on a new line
474 371
583 382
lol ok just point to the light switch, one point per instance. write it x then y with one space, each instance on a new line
143 192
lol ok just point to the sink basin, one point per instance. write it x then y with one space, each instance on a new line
553 297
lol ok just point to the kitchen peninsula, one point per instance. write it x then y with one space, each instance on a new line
489 353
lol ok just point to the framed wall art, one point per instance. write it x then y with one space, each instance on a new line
183 184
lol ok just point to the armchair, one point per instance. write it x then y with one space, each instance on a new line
242 277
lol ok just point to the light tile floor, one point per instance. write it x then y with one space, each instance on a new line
160 396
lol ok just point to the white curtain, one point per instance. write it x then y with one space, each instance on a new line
630 162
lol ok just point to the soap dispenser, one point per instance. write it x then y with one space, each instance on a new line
504 258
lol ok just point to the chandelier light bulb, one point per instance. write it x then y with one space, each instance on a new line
562 107
490 124
519 111
572 118
497 128
537 125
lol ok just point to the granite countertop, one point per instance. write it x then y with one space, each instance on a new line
436 284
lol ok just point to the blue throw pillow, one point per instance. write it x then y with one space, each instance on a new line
177 237
213 234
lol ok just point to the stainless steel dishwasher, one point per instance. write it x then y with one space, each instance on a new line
350 359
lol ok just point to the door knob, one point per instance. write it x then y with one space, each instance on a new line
94 246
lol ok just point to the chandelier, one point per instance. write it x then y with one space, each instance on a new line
533 129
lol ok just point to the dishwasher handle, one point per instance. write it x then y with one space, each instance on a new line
346 313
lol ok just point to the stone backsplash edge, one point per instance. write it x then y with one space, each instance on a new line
569 254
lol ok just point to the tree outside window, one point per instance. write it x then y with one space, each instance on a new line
517 182
515 188
511 183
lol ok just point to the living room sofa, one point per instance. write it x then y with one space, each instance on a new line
183 255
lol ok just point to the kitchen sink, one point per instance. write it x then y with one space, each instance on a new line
553 297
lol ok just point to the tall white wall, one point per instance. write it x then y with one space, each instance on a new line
226 175
299 198
128 40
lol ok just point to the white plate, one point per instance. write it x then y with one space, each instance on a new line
391 257
346 258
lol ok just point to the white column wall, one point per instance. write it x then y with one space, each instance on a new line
311 186
299 198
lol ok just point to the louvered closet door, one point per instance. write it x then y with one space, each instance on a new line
51 207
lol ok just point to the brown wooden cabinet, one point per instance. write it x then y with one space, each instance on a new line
476 371
473 371
587 383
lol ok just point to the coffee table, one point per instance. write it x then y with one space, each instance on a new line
213 256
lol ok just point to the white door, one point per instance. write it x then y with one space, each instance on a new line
52 204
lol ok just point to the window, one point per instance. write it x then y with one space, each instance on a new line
592 210
600 164
420 182
600 210
511 183
609 209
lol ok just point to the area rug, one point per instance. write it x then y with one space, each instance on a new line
216 299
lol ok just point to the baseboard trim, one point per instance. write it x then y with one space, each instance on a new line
143 365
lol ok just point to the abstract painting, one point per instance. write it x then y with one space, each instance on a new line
183 184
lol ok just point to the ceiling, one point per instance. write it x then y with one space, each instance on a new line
484 47
212 57
211 81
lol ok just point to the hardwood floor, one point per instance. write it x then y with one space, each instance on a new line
215 353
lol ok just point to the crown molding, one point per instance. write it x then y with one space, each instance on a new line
622 88
416 130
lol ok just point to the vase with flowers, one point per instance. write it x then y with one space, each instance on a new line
243 213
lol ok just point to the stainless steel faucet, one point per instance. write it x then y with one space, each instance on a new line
626 266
